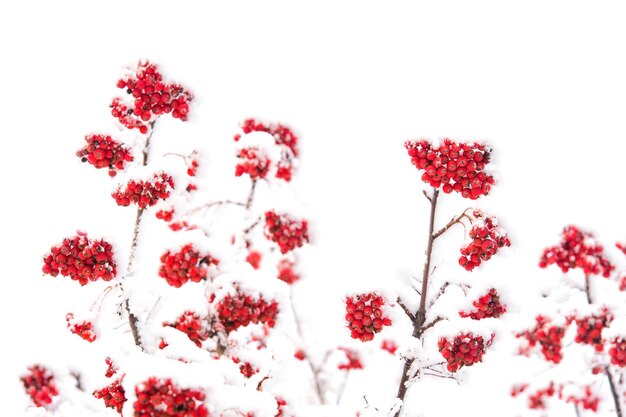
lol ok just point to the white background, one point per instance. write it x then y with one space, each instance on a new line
543 82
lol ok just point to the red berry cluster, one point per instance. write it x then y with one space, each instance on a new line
286 272
282 134
165 215
192 169
82 259
178 268
192 325
389 346
245 368
486 306
39 385
547 335
280 404
537 400
487 238
353 360
84 329
589 329
364 313
577 249
253 162
254 258
111 367
151 98
161 398
145 193
587 399
113 395
240 309
105 152
287 232
457 166
617 351
464 349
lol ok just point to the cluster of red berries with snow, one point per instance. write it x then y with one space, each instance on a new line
286 272
192 325
145 193
390 346
113 395
466 349
282 134
252 161
486 306
487 238
84 329
82 259
192 169
353 361
254 258
105 152
161 398
587 399
589 329
537 400
548 336
577 249
165 215
456 166
245 368
178 268
365 317
111 367
240 309
289 233
152 97
39 385
617 351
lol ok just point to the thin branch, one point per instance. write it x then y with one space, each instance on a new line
427 196
430 325
250 198
252 226
207 206
406 309
455 220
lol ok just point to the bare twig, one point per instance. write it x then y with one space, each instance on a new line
250 198
431 324
451 223
214 203
406 309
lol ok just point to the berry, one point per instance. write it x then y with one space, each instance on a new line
487 306
161 398
39 385
254 259
144 193
165 215
465 349
365 316
486 239
253 162
617 351
621 247
547 335
300 355
586 399
178 268
286 272
245 368
353 360
104 152
113 395
111 368
537 400
192 325
84 329
82 259
577 249
193 168
389 346
152 97
240 309
282 134
289 233
589 329
456 166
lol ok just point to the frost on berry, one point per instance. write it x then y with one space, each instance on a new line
548 336
111 367
39 385
577 249
365 316
389 345
102 151
161 398
192 325
486 239
353 361
151 97
82 259
240 309
617 351
113 395
83 328
286 272
589 329
145 193
245 368
465 349
252 161
454 166
282 134
188 264
486 306
254 258
289 233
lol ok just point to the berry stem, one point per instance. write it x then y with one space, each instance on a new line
451 223
251 195
420 316
607 371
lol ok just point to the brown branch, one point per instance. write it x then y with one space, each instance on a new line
215 203
451 223
406 309
250 198
252 226
420 316
430 325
